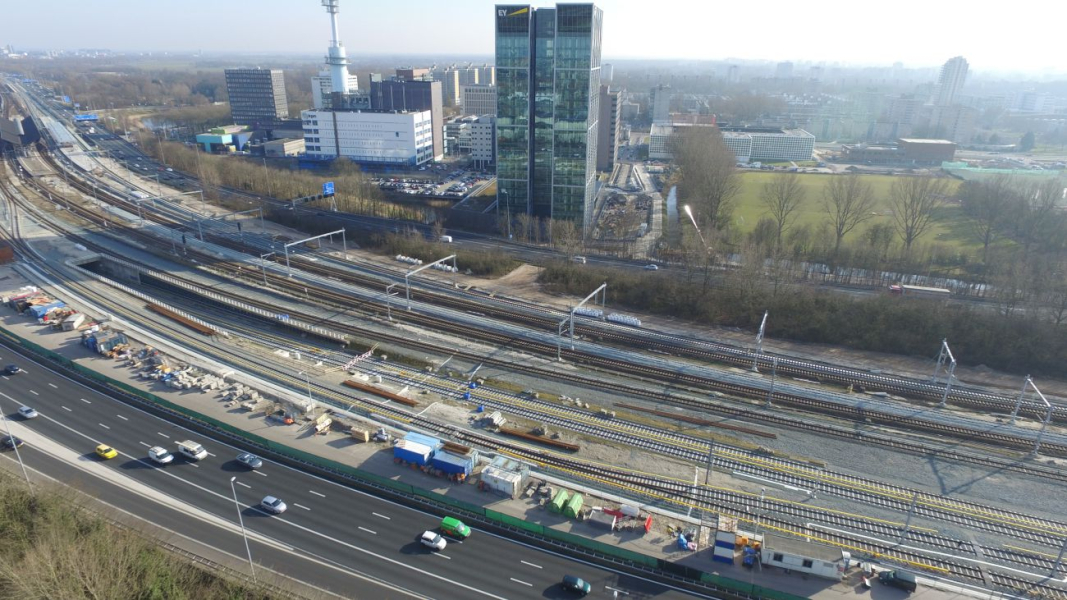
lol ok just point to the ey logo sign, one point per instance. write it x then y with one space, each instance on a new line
503 12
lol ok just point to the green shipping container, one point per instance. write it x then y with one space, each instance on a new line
574 506
559 501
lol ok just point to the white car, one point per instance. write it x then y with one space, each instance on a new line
433 540
159 455
27 413
273 505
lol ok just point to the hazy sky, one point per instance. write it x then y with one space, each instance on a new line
915 32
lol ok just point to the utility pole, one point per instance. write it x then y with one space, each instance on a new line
241 519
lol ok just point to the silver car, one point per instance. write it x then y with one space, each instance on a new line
250 460
433 540
273 505
27 413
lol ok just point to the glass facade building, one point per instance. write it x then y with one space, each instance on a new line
548 90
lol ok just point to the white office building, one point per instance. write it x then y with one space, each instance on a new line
398 138
483 141
747 143
479 99
322 85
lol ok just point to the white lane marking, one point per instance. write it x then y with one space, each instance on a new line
210 454
194 465
300 506
104 426
531 564
316 493
144 444
54 385
163 434
442 555
84 400
608 587
369 531
34 393
65 408
122 417
244 484
260 474
365 495
382 516
520 581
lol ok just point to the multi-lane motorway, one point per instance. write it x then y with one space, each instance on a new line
332 537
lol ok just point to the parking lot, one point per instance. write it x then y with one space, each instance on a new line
452 184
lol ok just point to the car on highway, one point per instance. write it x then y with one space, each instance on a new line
160 455
273 505
12 370
433 540
651 267
106 452
10 442
250 460
455 528
27 412
575 584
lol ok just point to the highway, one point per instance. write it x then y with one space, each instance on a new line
331 536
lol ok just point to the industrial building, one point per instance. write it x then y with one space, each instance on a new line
747 143
548 78
282 148
257 97
479 99
390 138
411 90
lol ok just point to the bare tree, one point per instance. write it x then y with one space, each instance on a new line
1036 215
914 200
848 200
707 178
987 205
782 197
567 237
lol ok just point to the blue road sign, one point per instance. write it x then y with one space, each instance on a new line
327 188
85 117
66 99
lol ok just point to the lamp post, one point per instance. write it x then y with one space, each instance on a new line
308 380
14 445
241 519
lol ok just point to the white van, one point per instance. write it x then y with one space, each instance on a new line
192 450
579 259
446 239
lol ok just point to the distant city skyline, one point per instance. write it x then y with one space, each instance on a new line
918 34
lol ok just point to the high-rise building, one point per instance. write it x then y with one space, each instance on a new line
548 83
954 123
659 103
949 84
609 129
257 96
607 72
411 90
487 75
784 70
483 141
479 99
733 74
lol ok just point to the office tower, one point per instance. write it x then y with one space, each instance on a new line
607 72
659 103
784 70
548 83
257 96
479 99
949 84
609 128
733 74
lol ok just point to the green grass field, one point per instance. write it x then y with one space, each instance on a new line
948 226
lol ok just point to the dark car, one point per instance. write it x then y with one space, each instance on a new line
12 370
576 585
10 442
899 579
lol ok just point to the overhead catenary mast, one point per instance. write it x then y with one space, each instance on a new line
336 59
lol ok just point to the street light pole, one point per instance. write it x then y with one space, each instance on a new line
241 519
17 455
308 380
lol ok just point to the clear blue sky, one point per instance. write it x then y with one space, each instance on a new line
915 32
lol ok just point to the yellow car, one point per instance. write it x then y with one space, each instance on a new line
104 451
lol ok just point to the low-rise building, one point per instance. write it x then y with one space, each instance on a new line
457 134
926 152
369 137
282 148
747 143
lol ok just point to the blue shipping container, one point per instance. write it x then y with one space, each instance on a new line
452 464
43 309
412 452
432 443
